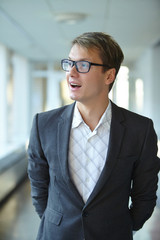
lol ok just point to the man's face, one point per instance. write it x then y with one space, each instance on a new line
86 87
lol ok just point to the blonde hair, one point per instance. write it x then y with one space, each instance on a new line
109 50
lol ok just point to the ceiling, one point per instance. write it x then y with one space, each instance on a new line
30 27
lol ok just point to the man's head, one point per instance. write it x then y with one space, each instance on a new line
109 50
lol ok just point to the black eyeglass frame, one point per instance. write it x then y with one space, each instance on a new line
74 63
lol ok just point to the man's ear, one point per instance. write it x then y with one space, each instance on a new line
110 76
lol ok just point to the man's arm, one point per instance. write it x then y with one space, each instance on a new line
37 170
145 178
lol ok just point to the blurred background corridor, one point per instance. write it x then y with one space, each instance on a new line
34 37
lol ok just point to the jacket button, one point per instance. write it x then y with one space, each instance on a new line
85 214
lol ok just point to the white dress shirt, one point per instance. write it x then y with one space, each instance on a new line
88 151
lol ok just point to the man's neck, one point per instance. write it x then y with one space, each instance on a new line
91 114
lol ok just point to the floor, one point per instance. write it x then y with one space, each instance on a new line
18 220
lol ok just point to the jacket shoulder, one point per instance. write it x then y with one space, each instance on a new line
129 115
52 117
57 112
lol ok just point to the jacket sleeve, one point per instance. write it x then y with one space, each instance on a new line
145 179
37 170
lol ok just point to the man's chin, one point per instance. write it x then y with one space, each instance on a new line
74 98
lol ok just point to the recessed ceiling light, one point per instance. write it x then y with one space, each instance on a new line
70 18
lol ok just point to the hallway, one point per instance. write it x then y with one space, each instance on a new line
18 220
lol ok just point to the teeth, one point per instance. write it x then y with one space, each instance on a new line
75 85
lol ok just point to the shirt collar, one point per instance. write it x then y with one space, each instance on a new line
77 118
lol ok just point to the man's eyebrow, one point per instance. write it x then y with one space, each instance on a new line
82 59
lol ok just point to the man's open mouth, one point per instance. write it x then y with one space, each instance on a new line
74 85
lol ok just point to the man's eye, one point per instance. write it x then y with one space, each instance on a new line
70 63
84 65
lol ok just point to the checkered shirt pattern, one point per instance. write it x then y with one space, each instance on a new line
88 151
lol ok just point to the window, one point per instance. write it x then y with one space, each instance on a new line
122 88
139 94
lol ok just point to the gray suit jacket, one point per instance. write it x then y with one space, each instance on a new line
131 169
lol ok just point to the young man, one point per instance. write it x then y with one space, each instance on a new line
88 158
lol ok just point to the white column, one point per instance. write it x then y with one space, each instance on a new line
21 96
3 95
132 94
53 88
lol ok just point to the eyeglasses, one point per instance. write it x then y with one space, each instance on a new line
81 66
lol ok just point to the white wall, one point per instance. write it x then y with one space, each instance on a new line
156 87
147 68
3 94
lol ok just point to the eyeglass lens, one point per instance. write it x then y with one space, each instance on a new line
81 66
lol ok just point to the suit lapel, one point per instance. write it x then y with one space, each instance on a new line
116 136
63 135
